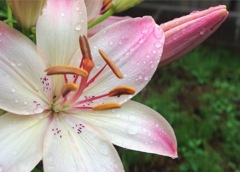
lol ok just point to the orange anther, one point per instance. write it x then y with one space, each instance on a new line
65 69
107 106
121 90
111 64
68 87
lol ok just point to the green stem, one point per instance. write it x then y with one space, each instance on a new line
9 17
101 18
26 32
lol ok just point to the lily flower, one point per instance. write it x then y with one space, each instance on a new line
181 34
26 12
68 98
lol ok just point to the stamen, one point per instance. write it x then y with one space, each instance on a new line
85 48
87 62
121 90
111 64
107 106
65 69
68 87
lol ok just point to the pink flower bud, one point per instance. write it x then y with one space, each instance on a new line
185 33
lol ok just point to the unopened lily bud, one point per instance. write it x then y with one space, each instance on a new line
185 33
122 5
26 12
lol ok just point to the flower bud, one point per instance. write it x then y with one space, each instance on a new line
185 33
122 5
26 12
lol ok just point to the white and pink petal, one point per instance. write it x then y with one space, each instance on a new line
74 145
58 29
109 21
25 88
21 141
135 126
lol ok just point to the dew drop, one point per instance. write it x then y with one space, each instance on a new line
202 32
158 45
194 12
144 31
146 78
158 33
141 41
62 14
140 76
13 90
78 27
25 102
50 158
19 64
157 125
132 130
77 8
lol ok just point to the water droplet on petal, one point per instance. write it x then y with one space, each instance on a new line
194 12
146 77
158 45
144 31
140 77
202 32
62 14
132 130
77 8
13 90
141 41
78 27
